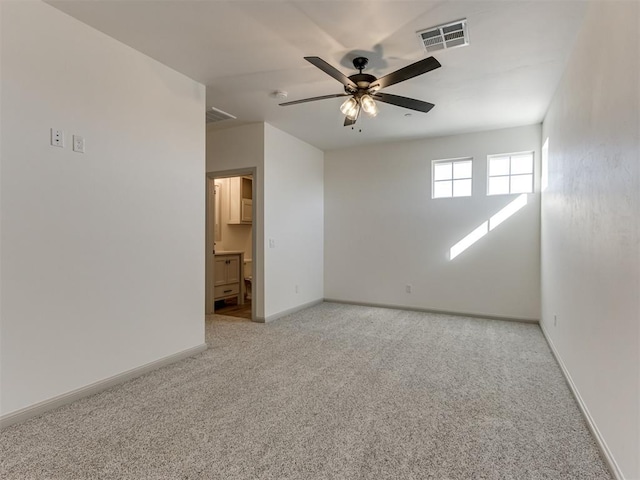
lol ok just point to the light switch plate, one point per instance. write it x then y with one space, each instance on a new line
57 138
78 144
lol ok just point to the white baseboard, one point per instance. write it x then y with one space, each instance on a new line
430 310
289 311
66 398
602 445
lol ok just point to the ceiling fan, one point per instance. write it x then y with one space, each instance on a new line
363 89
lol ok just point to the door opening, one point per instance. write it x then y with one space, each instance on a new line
230 239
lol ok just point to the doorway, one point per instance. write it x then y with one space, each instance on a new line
230 243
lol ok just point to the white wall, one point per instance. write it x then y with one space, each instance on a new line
293 218
289 210
590 226
239 148
235 148
102 253
384 231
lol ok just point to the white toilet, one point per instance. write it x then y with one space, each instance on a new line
248 269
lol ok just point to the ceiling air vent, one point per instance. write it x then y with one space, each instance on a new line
450 35
214 114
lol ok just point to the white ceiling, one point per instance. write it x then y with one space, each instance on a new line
244 50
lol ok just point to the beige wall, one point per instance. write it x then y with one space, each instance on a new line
235 149
294 220
288 210
590 227
383 230
102 260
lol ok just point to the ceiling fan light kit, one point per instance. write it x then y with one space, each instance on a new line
349 107
363 88
368 105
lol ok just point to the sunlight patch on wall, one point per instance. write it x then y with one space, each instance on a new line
469 240
509 210
544 181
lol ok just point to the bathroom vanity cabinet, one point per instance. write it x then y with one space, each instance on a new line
228 281
241 200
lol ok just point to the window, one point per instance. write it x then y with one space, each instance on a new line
451 178
510 173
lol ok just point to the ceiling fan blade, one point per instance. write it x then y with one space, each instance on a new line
410 71
332 71
313 99
410 103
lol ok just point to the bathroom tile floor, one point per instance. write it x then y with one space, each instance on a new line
231 308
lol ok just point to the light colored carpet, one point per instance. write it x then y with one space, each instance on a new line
333 392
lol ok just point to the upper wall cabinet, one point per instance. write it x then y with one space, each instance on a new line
241 200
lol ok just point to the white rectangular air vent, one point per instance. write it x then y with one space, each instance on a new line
216 115
450 35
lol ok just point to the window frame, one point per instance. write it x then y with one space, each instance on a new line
511 175
452 161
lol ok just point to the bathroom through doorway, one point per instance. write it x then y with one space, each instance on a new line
230 239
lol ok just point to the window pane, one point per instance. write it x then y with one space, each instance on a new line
522 164
462 188
462 169
442 189
498 166
442 171
522 184
498 185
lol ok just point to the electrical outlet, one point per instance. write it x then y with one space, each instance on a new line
297 289
407 288
555 320
78 144
57 138
272 243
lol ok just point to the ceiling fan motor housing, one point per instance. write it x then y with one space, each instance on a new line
362 80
